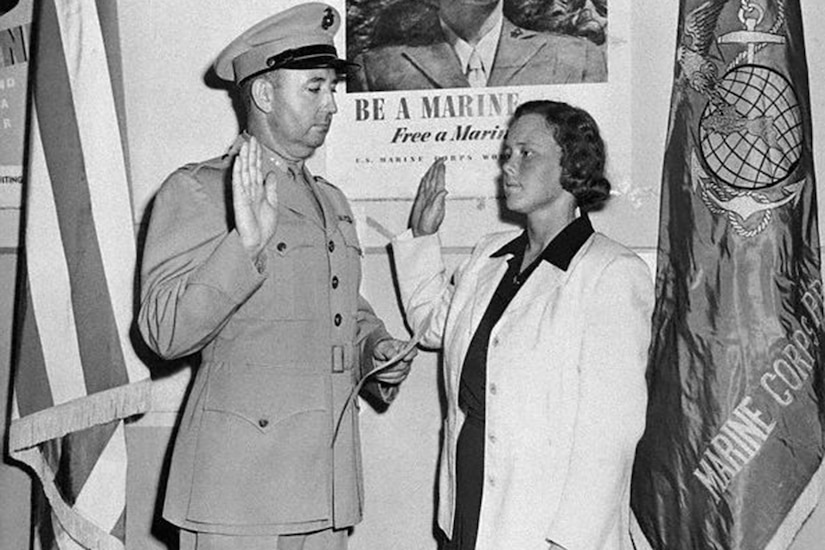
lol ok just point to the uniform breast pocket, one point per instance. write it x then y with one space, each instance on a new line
295 266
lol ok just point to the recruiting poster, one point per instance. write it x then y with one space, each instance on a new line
15 24
415 97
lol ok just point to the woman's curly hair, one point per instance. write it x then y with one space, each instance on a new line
583 150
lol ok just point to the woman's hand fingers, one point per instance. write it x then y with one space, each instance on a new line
428 208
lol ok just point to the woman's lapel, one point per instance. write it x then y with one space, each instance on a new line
489 276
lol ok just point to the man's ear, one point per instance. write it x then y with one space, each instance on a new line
263 94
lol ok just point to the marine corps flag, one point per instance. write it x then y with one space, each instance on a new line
734 441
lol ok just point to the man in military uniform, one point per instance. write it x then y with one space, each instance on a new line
263 280
468 43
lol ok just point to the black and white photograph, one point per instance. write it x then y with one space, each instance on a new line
412 275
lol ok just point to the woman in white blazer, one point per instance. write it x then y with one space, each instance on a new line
545 335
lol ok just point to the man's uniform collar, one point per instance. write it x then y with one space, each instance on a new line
486 47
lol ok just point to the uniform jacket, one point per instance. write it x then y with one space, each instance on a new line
565 388
523 58
282 345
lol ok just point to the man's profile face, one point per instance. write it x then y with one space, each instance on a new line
304 104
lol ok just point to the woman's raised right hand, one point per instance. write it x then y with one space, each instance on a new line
429 206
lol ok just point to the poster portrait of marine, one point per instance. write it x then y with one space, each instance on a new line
433 44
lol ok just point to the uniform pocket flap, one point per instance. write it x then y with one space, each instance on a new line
290 237
264 396
350 235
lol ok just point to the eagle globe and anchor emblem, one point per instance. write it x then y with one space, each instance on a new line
750 135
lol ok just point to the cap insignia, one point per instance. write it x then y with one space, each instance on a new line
329 19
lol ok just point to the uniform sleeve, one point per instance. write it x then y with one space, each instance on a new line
194 274
612 398
370 330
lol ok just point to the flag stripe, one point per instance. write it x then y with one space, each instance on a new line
119 528
64 540
31 376
79 454
96 115
49 282
108 472
107 15
98 339
43 529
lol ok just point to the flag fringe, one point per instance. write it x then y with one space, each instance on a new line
637 536
788 530
799 514
92 410
83 531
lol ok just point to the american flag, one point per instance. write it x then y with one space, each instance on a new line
77 376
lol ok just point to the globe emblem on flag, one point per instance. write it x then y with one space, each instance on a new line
752 138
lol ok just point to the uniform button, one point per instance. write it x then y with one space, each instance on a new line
281 246
493 389
491 481
263 422
331 246
495 341
335 282
492 438
338 319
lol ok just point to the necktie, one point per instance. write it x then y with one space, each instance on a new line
475 71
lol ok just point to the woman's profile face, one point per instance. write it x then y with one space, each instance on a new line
531 165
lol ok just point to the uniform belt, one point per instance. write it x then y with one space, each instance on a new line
336 359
